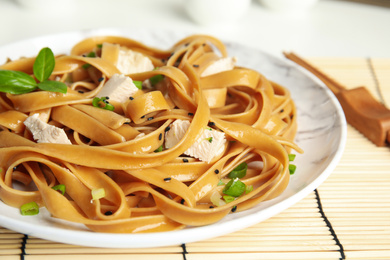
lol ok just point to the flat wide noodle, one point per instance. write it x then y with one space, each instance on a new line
145 187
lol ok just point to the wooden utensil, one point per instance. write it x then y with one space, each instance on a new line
361 109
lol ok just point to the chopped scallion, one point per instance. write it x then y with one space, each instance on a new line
228 198
29 209
210 139
292 168
60 188
234 188
248 189
138 84
239 171
220 183
291 157
92 54
98 193
156 79
159 149
215 198
102 103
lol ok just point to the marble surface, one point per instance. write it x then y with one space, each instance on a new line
321 133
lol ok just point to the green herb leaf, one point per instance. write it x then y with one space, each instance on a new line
44 64
53 86
16 82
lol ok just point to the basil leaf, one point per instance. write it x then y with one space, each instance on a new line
44 64
54 86
16 82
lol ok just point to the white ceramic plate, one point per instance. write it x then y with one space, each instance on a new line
321 134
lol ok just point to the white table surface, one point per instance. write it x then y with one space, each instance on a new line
331 28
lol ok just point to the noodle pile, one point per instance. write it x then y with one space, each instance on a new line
146 189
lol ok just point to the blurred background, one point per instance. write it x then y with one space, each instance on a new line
308 27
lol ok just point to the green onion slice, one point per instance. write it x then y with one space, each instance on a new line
102 103
248 189
292 168
239 171
228 198
159 149
138 84
98 193
156 79
60 188
220 183
215 198
234 188
92 54
29 209
291 157
210 139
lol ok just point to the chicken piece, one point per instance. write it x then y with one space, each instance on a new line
211 142
45 133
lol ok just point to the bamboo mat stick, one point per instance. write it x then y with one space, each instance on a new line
353 199
357 220
6 231
277 224
275 237
357 210
105 257
10 241
346 215
57 248
11 257
266 255
252 244
52 250
258 248
291 214
357 205
9 251
365 254
11 235
9 246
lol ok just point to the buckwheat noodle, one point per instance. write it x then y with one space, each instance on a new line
145 191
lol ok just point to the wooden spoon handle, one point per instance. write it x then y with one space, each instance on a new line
367 115
333 85
361 109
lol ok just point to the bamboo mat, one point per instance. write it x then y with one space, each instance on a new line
347 217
